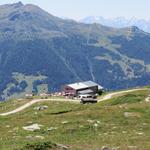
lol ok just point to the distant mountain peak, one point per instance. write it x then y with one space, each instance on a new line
120 22
18 4
134 28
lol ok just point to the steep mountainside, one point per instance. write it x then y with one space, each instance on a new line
40 52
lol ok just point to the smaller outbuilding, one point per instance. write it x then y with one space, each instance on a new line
82 88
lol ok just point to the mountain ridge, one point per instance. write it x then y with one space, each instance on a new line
119 22
40 53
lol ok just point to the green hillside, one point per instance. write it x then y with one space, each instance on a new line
122 122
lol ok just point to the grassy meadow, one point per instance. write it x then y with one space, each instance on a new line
121 123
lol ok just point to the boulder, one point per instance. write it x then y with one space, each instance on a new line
32 127
116 148
132 148
52 128
65 122
40 108
64 147
131 114
39 137
105 148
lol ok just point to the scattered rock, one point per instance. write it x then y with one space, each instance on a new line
64 147
124 132
93 121
105 148
16 129
147 99
35 113
39 137
120 106
20 99
29 122
52 128
95 125
116 148
140 133
132 148
65 122
32 127
114 127
81 126
34 137
90 121
13 133
40 108
98 122
29 137
131 114
144 124
15 137
112 132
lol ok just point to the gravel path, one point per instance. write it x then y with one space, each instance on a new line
36 101
115 94
106 97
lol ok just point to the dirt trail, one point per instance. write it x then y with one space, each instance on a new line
115 94
106 97
33 102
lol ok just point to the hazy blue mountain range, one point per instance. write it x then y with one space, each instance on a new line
40 52
119 22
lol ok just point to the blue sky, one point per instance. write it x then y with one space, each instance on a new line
77 9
